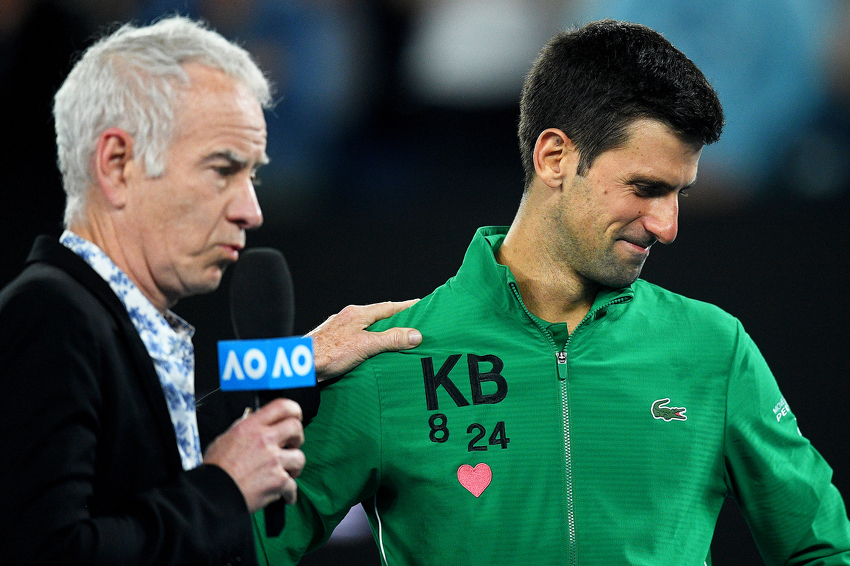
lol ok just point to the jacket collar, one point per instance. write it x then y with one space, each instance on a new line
492 282
48 250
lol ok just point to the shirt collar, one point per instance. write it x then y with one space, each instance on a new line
168 340
164 335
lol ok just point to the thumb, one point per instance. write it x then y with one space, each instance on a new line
395 339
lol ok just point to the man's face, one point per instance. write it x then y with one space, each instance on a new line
190 222
607 220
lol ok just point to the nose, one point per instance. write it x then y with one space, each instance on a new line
244 209
662 218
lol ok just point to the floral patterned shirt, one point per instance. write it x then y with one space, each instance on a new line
168 339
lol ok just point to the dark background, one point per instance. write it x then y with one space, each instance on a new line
377 198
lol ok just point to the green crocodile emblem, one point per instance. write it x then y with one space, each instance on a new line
659 411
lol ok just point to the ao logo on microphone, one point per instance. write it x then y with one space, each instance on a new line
276 363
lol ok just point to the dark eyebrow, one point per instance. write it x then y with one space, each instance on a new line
657 185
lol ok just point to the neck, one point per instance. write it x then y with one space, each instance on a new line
550 289
104 234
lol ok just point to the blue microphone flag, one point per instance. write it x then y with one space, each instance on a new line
272 363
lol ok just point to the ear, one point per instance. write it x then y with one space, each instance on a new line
555 157
114 165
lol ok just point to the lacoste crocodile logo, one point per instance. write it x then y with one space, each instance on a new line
659 411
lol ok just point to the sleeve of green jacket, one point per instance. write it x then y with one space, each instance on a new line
343 470
781 483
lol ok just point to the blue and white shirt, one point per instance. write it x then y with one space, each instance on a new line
168 340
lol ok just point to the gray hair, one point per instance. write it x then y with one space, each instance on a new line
128 80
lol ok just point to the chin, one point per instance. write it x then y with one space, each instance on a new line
620 280
208 284
619 284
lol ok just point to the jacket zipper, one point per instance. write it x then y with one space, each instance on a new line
561 364
563 373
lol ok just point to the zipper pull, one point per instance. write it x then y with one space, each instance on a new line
562 364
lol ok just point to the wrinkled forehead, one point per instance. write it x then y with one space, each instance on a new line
215 106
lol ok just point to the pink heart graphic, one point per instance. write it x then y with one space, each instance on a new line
475 479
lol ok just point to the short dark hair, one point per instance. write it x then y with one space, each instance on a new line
593 82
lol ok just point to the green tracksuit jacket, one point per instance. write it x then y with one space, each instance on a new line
502 441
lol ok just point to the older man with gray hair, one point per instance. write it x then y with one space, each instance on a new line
160 131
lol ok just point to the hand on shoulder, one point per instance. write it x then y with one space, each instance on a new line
342 342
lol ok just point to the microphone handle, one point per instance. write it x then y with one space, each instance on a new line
275 512
275 515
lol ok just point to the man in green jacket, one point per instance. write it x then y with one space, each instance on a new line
560 410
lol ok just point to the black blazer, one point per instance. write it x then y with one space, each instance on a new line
91 472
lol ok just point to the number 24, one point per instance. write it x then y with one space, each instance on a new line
440 433
498 436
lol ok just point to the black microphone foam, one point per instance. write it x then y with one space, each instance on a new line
262 298
262 305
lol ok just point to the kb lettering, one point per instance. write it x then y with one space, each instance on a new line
476 376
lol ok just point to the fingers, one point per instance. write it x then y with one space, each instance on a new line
279 479
282 484
290 464
357 317
281 419
342 342
374 313
261 453
289 492
293 462
277 410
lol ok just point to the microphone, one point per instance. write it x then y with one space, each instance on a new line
262 306
262 298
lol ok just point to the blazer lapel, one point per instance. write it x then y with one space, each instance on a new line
50 251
